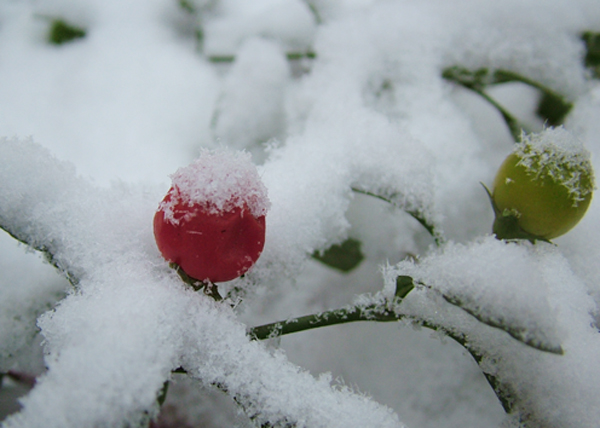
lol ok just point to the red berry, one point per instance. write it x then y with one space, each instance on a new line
211 223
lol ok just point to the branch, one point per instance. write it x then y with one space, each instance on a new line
381 311
386 310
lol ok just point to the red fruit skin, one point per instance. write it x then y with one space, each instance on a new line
210 247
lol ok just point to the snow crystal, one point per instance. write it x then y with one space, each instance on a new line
555 152
220 180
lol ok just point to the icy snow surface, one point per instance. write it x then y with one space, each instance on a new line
342 107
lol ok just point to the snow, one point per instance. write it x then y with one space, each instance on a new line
81 99
38 290
250 109
290 22
220 181
364 139
540 153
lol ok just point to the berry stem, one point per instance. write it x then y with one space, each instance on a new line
506 225
208 288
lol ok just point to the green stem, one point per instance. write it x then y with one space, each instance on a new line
381 311
553 106
503 76
476 81
506 224
374 313
315 12
430 227
327 318
384 311
514 126
290 56
503 391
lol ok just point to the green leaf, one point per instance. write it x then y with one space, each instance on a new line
62 32
344 257
553 108
592 46
592 55
404 285
162 394
187 6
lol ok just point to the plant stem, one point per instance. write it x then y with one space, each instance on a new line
430 227
381 311
209 288
514 126
476 81
327 318
553 106
289 55
374 313
384 310
502 76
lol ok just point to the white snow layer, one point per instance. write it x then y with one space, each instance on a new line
219 181
138 97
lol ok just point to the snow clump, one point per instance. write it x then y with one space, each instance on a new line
220 181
